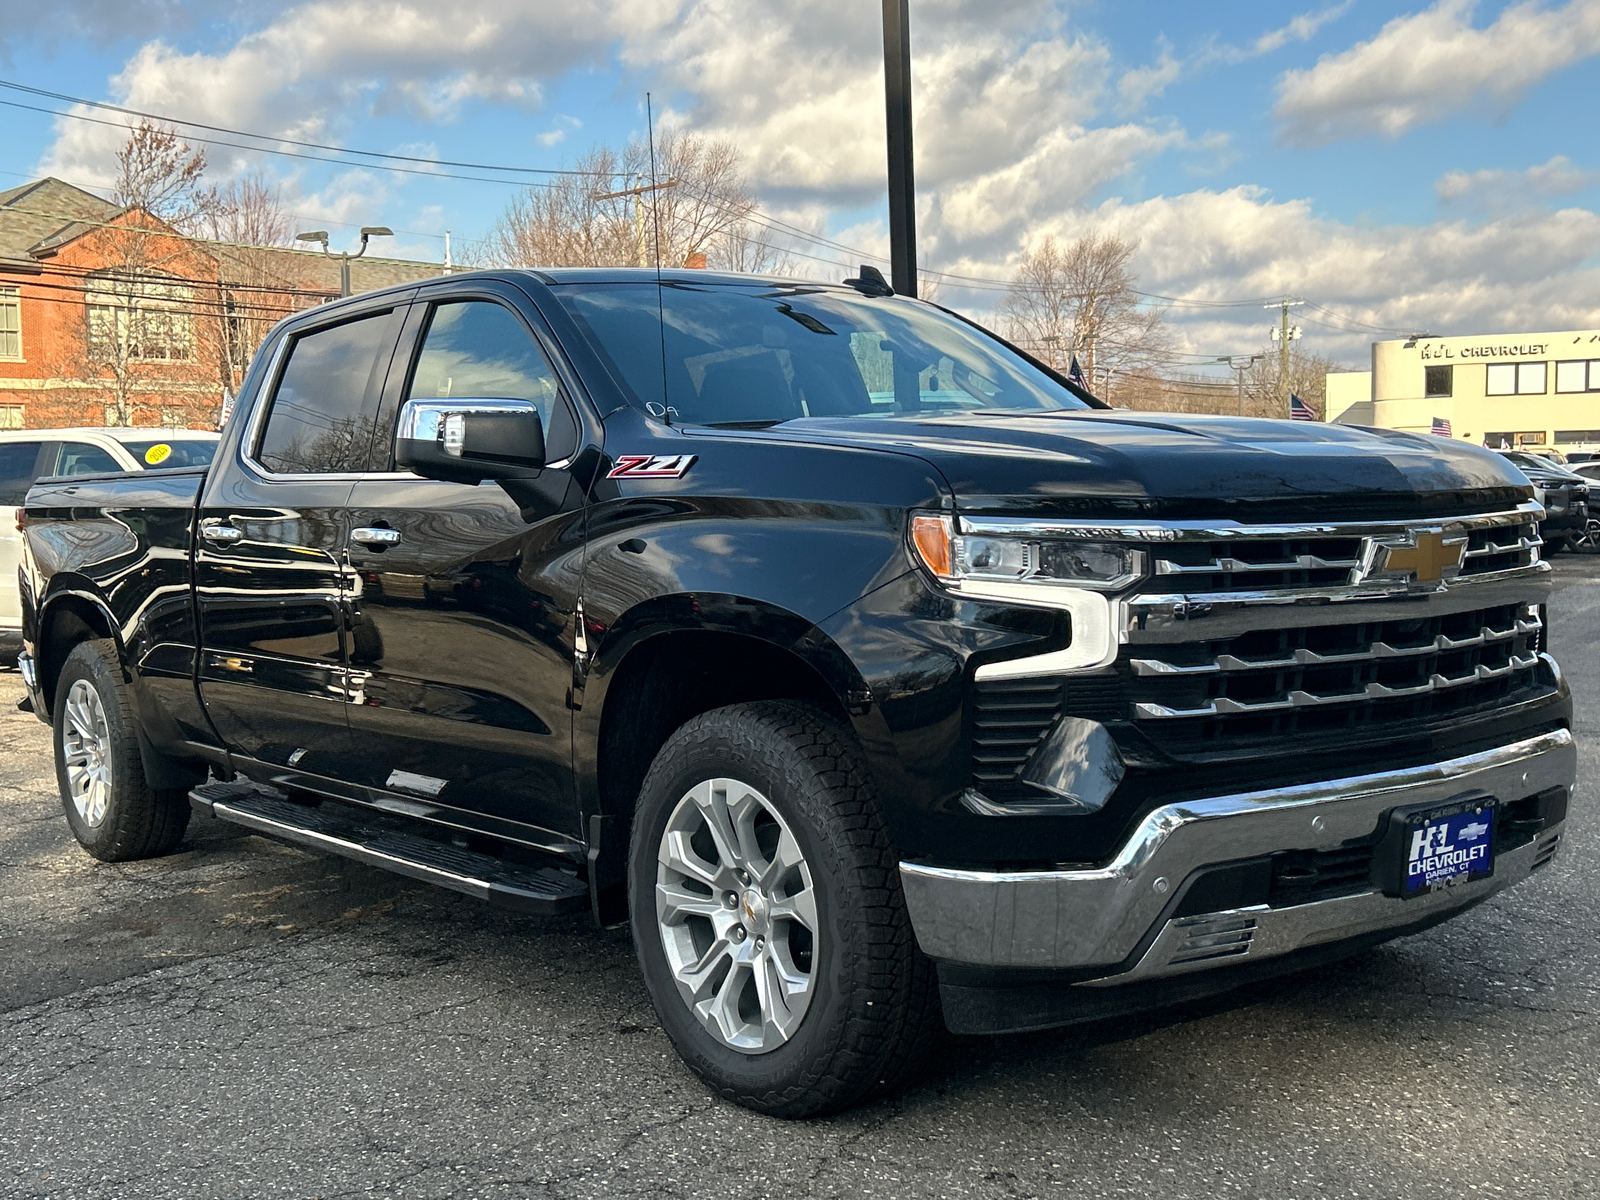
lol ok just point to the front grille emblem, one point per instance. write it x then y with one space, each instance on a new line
1423 558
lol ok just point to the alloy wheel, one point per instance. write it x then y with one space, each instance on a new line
737 913
86 748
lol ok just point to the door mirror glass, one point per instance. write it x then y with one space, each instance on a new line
470 440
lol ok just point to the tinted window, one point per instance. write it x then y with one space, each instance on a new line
756 355
16 470
321 419
478 350
188 452
80 458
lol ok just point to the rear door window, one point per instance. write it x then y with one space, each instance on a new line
321 415
180 452
81 458
17 461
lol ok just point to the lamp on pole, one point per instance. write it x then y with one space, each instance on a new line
1240 363
344 256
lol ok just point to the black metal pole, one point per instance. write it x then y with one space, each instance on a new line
902 182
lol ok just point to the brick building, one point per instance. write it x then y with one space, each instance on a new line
110 317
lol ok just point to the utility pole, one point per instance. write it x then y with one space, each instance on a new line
902 181
1283 334
344 256
637 192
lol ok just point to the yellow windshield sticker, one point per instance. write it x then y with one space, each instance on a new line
157 454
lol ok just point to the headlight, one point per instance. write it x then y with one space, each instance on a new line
1017 558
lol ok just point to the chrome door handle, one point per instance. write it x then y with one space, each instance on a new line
375 537
221 532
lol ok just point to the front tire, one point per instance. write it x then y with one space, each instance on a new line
113 812
768 917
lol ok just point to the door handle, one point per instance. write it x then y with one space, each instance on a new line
374 537
220 532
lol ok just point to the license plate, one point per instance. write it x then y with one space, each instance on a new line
1448 845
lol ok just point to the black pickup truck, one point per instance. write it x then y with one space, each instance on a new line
875 672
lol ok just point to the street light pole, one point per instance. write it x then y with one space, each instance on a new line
902 181
344 256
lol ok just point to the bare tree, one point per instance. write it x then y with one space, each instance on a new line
1307 378
1078 300
138 308
248 222
622 209
160 174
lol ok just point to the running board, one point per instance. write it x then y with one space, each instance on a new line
381 842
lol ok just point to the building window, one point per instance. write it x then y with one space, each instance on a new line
1583 375
1516 379
139 320
10 324
1437 381
11 416
1577 437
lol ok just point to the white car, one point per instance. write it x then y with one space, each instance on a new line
29 454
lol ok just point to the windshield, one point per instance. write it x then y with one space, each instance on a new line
758 355
180 452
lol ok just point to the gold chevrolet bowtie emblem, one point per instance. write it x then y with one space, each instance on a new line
1427 557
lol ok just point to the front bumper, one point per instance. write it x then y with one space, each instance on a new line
1114 924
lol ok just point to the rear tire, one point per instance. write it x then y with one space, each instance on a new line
112 811
849 1007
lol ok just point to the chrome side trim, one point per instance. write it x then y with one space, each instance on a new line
1097 916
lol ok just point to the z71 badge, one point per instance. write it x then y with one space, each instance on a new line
651 466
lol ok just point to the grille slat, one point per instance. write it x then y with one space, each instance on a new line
1327 678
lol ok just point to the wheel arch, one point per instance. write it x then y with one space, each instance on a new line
68 616
673 658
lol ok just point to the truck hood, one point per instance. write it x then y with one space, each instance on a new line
1099 463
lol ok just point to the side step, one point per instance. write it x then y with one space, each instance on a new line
381 842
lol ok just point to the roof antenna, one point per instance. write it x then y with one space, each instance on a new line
655 213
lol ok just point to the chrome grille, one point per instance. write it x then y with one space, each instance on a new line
1337 676
1250 561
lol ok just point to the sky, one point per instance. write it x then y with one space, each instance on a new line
1399 167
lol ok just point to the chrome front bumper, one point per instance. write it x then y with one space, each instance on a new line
1103 916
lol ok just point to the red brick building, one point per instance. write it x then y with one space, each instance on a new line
110 317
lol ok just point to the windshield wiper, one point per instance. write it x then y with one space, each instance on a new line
745 424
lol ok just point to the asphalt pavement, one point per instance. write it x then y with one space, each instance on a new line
242 1019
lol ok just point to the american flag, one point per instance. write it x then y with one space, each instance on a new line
1075 373
1299 410
1441 428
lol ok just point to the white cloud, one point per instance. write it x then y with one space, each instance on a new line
1499 189
1013 142
1302 28
327 59
557 133
1425 66
1138 85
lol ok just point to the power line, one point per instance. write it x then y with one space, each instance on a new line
269 137
753 215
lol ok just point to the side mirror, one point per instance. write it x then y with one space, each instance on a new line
468 441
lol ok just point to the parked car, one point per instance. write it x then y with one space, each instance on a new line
1564 494
1588 541
875 672
29 454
